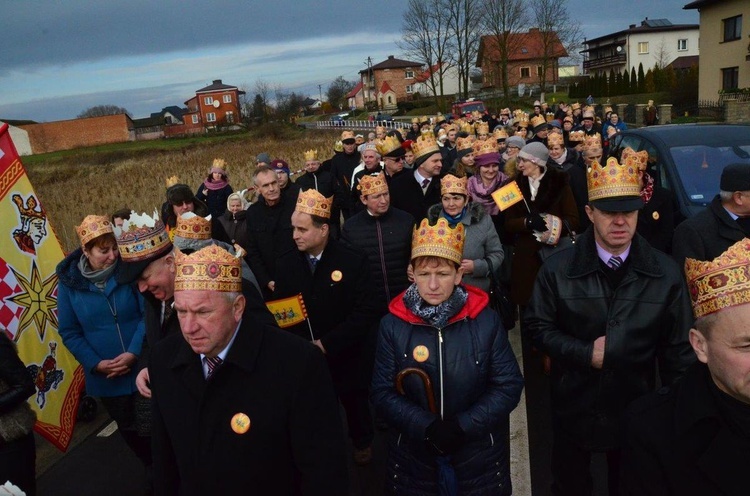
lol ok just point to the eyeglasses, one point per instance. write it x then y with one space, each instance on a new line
395 159
182 203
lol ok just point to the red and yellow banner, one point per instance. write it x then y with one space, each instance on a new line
29 253
508 195
288 311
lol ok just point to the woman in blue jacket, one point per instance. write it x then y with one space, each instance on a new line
452 438
101 323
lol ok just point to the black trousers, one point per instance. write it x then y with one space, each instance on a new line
358 417
122 411
17 463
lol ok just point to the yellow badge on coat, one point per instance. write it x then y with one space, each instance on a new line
240 423
421 353
655 215
336 275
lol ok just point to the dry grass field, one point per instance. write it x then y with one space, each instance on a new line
74 184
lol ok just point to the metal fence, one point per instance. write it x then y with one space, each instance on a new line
362 124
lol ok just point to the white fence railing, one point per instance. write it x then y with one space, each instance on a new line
363 124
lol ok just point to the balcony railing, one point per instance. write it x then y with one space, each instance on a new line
600 62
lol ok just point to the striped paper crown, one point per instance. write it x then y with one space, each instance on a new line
92 227
482 147
142 237
452 184
577 136
313 203
373 185
209 269
555 139
387 145
439 240
640 159
483 127
424 145
612 181
192 226
722 282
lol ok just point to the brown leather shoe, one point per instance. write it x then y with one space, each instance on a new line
363 456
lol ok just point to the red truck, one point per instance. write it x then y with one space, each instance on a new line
461 107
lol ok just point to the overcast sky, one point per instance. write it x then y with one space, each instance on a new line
59 58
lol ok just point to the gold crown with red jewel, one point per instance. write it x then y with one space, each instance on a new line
313 203
439 240
482 147
465 143
142 237
425 144
482 127
577 136
311 155
591 141
555 139
373 185
387 145
612 181
209 269
451 184
720 283
92 227
192 226
639 158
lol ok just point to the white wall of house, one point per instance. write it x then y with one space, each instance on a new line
450 84
645 48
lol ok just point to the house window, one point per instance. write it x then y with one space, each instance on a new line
211 117
209 100
195 119
409 88
643 47
732 28
524 50
230 117
227 99
409 74
390 100
539 71
681 45
525 72
730 78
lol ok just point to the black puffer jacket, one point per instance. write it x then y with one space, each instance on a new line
475 379
234 229
387 242
645 319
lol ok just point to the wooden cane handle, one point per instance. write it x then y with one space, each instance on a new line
425 380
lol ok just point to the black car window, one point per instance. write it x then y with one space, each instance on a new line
700 167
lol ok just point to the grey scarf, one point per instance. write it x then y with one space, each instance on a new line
97 277
435 315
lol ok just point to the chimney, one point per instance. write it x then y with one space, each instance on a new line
217 81
390 57
632 26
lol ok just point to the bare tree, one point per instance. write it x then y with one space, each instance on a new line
503 20
263 88
102 110
338 89
559 34
662 54
426 39
463 26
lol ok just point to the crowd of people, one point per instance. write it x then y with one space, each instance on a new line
223 336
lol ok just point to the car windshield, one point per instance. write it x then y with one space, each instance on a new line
700 166
471 107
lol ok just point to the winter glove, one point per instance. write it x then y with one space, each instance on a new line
535 222
444 437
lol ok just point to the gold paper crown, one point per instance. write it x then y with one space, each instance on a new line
640 159
501 133
577 136
607 109
29 210
424 145
313 203
220 163
415 120
722 282
517 112
482 127
424 120
555 139
592 141
464 143
466 127
537 120
142 237
522 120
209 269
483 147
612 181
439 240
475 114
92 227
346 135
575 106
373 185
387 145
589 108
193 226
171 181
439 118
452 184
549 116
338 146
311 155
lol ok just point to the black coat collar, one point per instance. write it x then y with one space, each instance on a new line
551 188
586 259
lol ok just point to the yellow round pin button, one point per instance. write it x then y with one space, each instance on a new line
240 423
421 353
655 215
336 275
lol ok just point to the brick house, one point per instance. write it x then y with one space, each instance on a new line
76 133
214 106
356 97
400 76
524 60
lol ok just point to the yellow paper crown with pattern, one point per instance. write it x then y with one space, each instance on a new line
549 116
415 120
193 226
482 147
607 109
555 139
347 135
171 181
577 136
311 155
142 237
537 120
209 269
522 120
439 118
439 240
424 145
482 127
313 203
592 141
575 106
466 127
387 145
720 283
464 143
92 227
612 181
501 133
373 185
640 159
451 184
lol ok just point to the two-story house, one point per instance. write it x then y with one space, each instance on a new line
725 46
389 82
653 42
525 59
216 105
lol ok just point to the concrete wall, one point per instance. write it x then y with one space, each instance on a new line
736 112
76 133
716 54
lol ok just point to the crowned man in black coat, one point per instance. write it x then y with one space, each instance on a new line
315 177
416 191
334 281
239 406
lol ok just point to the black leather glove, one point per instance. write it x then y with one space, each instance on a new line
535 222
444 437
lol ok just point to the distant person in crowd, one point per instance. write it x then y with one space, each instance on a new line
262 159
315 177
287 187
725 221
371 165
180 199
565 160
452 437
233 222
342 168
215 189
101 323
464 163
120 216
17 419
408 157
281 435
692 437
392 152
650 114
414 129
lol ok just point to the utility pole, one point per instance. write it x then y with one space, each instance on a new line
370 82
320 90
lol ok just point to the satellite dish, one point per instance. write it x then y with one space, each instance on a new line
216 103
619 49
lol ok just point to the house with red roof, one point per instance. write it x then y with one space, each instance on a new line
214 106
356 97
450 81
389 82
524 60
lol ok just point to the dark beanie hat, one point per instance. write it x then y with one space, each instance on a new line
735 177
